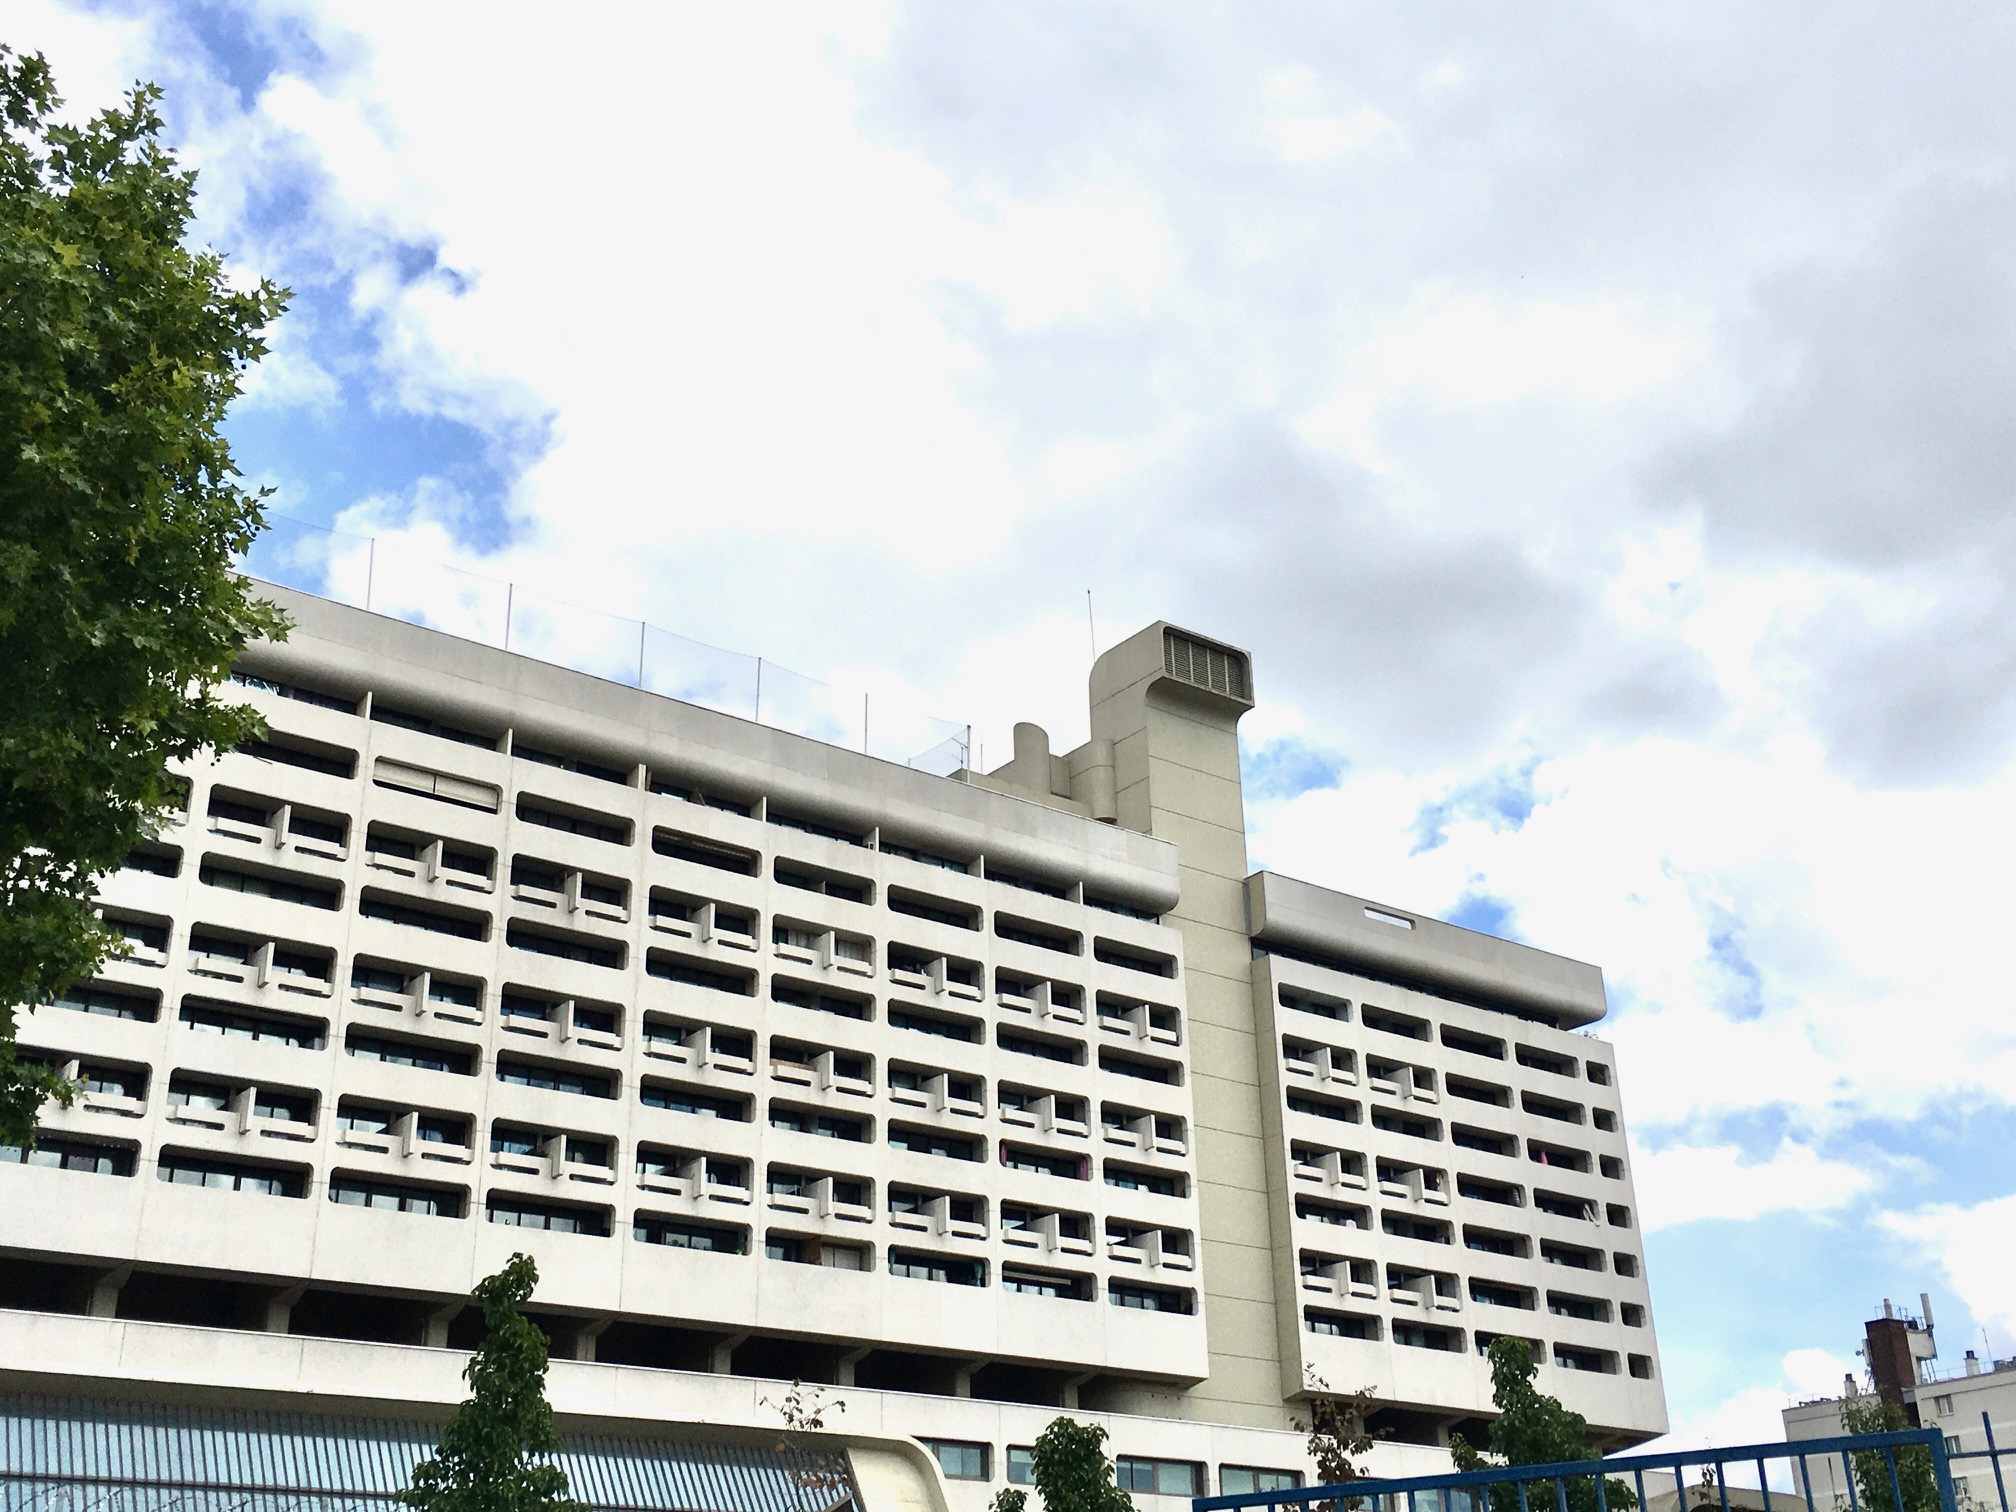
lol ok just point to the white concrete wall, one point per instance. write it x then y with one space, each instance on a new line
62 1213
110 1357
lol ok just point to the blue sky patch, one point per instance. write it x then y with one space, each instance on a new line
1485 914
246 51
1503 799
1742 994
1287 768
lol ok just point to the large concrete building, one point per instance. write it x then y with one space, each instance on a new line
974 1098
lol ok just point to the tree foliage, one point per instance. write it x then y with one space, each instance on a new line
120 515
1338 1438
1533 1428
1071 1471
1871 1414
804 1409
487 1460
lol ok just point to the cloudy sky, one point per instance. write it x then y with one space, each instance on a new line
1597 420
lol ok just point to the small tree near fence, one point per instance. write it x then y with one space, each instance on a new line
488 1458
1338 1438
1533 1428
1071 1471
1871 1414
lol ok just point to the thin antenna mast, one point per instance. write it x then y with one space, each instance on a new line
1091 625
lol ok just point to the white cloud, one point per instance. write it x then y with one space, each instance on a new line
1687 1184
1753 1415
287 377
1475 352
1731 900
1325 138
1972 1243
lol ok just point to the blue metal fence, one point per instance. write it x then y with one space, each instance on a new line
1547 1488
1993 1454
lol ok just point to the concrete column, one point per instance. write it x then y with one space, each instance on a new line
843 1368
1175 756
105 1290
436 1336
583 1342
280 1308
721 1359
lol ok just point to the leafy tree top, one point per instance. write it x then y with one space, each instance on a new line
1072 1473
487 1459
120 517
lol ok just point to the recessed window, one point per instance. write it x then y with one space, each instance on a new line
307 755
109 1002
206 1017
676 1099
1166 1299
186 1168
1138 1179
67 1154
920 1141
1158 1477
352 1190
951 1270
698 850
1243 1480
604 827
1338 1325
959 1460
385 713
684 1233
420 1054
1029 1281
554 1217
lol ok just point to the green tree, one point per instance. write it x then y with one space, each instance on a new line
1533 1428
1071 1471
120 515
487 1459
1338 1438
1871 1414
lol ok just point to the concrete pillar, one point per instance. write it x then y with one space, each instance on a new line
582 1346
843 1368
105 1290
280 1308
436 1336
721 1359
1174 738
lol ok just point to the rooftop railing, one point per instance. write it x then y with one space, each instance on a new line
366 573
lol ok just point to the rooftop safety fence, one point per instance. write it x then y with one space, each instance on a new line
366 573
1909 1471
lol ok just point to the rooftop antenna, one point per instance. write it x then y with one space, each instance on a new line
1091 626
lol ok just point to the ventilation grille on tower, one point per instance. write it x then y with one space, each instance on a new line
1203 665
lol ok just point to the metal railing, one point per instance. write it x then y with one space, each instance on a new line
1567 1487
1993 1455
360 571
